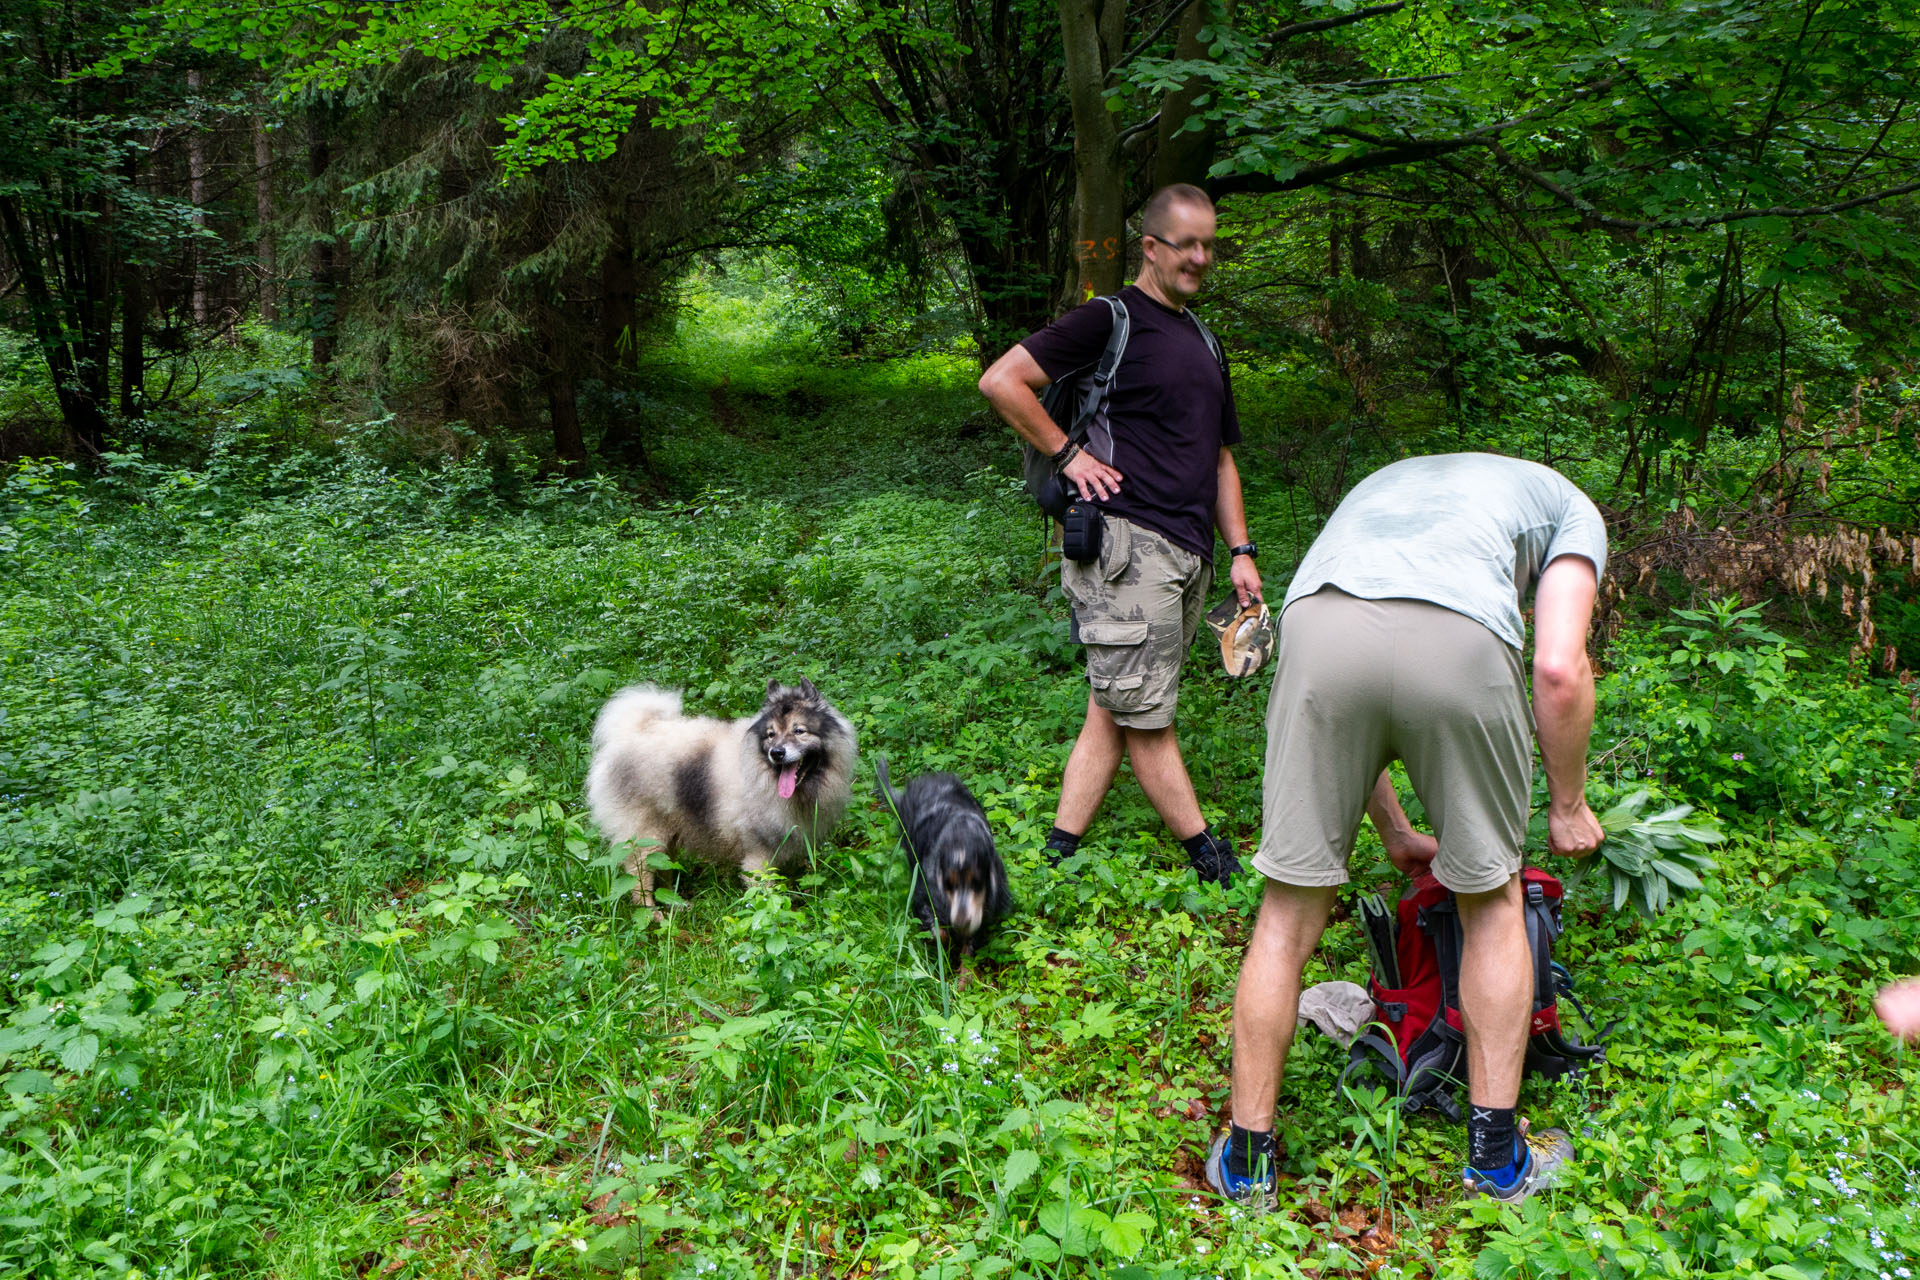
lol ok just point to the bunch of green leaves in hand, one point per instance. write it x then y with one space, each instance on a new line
1649 859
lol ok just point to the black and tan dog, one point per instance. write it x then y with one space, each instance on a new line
746 793
960 885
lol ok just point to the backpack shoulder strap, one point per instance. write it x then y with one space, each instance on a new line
1116 341
1213 343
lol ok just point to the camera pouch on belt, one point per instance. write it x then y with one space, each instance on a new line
1082 526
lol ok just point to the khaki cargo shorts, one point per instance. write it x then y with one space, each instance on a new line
1136 609
1360 683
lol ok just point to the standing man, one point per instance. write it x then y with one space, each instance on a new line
1401 638
1170 483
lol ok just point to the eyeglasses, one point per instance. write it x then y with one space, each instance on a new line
1182 247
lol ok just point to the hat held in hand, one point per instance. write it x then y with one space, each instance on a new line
1246 635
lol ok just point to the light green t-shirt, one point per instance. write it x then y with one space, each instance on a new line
1467 531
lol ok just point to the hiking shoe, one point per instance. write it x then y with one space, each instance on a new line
1054 855
1255 1194
1215 862
1545 1152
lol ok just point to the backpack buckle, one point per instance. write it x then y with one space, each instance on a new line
1536 896
1395 1010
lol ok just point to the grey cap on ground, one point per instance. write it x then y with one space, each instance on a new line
1338 1009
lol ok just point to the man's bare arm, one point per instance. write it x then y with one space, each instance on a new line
1230 515
1563 700
1409 850
1012 385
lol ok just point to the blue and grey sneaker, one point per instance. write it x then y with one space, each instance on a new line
1258 1193
1541 1156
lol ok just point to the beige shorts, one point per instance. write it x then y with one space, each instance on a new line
1136 609
1360 683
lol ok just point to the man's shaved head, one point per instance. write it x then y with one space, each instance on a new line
1153 218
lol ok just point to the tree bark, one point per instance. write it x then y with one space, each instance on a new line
324 320
263 220
1090 33
133 344
133 314
78 382
1180 154
618 297
564 408
197 193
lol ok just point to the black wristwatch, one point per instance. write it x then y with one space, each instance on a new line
1248 549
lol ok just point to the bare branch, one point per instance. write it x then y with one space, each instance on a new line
1592 213
1293 29
1150 122
1172 17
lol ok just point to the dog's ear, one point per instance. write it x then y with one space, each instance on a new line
806 687
773 687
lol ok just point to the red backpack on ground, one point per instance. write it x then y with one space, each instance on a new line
1418 1041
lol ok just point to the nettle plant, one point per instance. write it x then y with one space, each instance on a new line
1725 712
88 1003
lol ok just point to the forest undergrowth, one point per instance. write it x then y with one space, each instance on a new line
311 963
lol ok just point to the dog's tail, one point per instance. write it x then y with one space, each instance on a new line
888 796
634 708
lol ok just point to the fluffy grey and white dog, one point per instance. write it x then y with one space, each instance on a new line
743 793
960 883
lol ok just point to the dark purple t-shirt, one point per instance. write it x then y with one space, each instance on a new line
1171 409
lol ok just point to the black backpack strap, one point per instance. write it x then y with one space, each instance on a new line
1092 393
1213 343
1090 419
1542 929
1372 1049
1116 343
1441 921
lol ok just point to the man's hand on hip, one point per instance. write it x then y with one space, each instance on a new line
1246 580
1573 833
1091 478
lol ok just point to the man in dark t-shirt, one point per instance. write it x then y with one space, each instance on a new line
1170 483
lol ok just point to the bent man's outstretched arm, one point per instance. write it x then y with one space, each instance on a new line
1563 700
1012 385
1412 852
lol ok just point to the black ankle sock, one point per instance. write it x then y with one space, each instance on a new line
1491 1138
1197 845
1061 845
1246 1149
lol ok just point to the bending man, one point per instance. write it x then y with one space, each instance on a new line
1401 638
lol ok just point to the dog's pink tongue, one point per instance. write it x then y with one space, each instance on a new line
789 779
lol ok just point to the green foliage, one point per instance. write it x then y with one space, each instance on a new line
690 66
312 960
1649 860
1721 712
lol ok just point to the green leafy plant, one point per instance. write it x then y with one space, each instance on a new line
1649 860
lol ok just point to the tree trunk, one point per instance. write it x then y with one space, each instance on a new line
324 321
133 314
1183 155
133 344
197 193
1091 31
565 411
618 294
263 219
75 386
